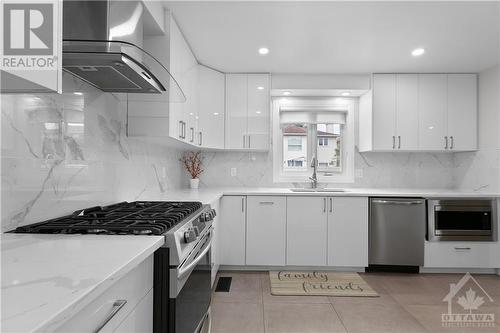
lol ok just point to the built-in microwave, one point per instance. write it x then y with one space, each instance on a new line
462 220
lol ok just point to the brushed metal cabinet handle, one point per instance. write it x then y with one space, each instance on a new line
324 205
399 141
192 134
201 138
331 205
242 205
248 141
451 144
266 203
244 141
180 129
117 305
457 248
446 142
393 142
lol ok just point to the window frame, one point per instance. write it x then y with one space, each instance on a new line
335 104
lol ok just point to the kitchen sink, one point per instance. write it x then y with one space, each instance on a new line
314 190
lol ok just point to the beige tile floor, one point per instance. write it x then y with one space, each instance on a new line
407 303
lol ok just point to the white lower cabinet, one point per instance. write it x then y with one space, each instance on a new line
306 231
140 320
231 236
127 305
266 230
461 255
348 231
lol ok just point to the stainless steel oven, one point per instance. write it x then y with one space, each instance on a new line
462 220
191 289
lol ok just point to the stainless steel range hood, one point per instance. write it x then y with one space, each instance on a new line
102 45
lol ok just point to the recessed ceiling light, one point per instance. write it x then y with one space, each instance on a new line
258 112
263 51
260 88
191 114
287 93
417 52
346 93
216 113
78 93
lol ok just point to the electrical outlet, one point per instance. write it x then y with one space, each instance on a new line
233 172
358 173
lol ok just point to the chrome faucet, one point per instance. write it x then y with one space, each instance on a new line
314 177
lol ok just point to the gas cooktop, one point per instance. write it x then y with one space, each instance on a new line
137 218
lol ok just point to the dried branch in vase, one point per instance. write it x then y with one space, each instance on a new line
193 163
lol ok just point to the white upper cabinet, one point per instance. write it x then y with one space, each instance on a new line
153 115
258 111
432 106
462 111
394 112
384 111
247 111
236 111
419 112
407 112
211 94
184 68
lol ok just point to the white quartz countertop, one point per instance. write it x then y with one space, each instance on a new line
209 195
46 279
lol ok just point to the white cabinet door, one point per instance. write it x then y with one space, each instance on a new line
384 111
407 111
266 230
432 111
461 254
462 111
231 241
140 320
348 231
258 111
236 111
184 68
306 231
211 112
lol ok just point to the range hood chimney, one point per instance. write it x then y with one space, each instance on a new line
102 45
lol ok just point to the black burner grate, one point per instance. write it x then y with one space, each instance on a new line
138 218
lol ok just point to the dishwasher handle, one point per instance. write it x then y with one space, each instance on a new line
397 202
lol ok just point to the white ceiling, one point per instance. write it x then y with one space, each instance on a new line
342 37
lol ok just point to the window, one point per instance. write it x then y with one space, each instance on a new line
322 141
294 143
329 147
304 128
295 146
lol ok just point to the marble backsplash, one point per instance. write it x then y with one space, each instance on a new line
395 170
70 151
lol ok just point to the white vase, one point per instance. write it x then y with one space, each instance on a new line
194 183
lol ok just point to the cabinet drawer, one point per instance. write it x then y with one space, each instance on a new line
460 254
131 288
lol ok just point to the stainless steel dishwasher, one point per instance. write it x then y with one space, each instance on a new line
397 231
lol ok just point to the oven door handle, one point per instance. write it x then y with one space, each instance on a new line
185 270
